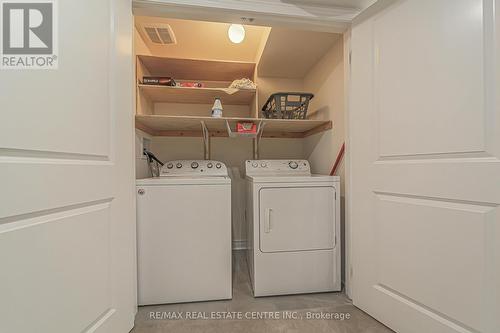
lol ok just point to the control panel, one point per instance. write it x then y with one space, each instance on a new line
277 168
198 168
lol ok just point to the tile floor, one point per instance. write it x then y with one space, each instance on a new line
243 302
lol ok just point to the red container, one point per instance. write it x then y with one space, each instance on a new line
246 128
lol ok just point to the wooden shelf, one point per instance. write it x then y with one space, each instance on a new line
197 69
188 126
165 94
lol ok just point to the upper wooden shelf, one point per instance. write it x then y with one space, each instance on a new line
160 125
165 94
197 69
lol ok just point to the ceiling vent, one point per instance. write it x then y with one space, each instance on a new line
156 34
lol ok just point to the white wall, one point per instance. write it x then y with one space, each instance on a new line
141 166
326 81
233 152
139 46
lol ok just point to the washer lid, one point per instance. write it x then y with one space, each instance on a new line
293 179
158 181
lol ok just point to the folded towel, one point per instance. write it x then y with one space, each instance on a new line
240 84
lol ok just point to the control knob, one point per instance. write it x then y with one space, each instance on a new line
170 165
210 165
293 165
218 165
194 165
178 165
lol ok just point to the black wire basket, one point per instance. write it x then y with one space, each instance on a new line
287 105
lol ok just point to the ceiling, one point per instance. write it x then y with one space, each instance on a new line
279 52
206 40
357 4
292 53
318 15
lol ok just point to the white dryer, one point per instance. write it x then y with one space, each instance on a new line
184 233
293 228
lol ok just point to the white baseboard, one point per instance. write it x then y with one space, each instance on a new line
239 244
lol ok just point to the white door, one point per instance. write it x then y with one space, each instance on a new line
67 216
425 169
297 218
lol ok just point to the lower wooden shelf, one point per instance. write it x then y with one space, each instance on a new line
190 126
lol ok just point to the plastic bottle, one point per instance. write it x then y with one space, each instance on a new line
217 108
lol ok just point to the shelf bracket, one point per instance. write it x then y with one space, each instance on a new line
206 141
256 140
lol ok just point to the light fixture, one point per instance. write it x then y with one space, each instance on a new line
236 33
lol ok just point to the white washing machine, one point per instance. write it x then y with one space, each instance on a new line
293 228
184 233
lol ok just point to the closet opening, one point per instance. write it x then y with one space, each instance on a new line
201 94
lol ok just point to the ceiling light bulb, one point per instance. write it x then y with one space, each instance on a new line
236 33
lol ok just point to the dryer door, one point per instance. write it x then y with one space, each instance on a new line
297 218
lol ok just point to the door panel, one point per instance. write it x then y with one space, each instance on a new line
80 83
425 169
419 238
297 218
67 214
419 88
52 265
